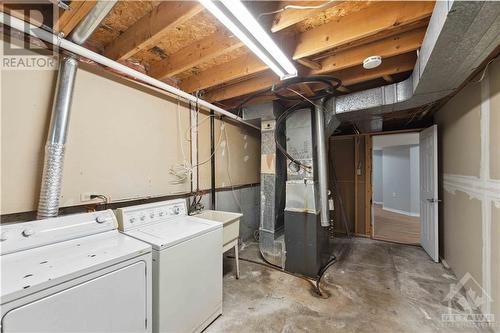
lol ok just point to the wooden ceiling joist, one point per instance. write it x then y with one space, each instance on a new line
70 18
388 78
403 42
235 69
218 44
386 48
309 63
398 64
148 30
240 67
306 89
289 17
381 17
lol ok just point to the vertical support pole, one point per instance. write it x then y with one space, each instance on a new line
212 160
194 148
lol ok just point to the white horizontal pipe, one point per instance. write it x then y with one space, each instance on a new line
83 52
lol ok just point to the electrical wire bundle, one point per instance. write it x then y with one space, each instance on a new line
183 170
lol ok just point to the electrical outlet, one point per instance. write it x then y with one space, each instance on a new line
84 197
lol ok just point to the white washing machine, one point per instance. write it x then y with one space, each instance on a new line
74 273
187 263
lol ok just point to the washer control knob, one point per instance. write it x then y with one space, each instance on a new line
152 214
28 232
143 217
161 213
132 219
176 210
102 219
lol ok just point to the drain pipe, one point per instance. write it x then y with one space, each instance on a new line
48 204
322 162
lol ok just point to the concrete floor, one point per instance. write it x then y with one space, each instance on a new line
374 287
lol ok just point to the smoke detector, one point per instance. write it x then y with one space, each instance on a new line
372 62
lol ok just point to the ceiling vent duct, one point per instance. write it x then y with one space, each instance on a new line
459 38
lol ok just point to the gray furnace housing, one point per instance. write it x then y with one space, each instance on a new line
306 241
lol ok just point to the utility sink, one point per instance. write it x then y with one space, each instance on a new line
230 221
231 229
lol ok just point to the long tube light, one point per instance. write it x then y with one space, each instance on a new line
254 36
67 45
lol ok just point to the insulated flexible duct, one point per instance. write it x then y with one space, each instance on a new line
48 204
50 191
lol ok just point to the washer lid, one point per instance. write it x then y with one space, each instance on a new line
170 232
31 270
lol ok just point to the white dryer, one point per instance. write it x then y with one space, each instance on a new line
187 263
74 273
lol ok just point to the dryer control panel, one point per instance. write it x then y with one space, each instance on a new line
22 236
135 216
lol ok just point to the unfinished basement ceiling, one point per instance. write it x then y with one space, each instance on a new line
181 43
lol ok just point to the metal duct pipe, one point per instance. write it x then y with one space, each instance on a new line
48 203
460 36
88 25
322 162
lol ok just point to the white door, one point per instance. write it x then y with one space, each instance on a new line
429 237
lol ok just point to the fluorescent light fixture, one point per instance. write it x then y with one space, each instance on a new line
252 35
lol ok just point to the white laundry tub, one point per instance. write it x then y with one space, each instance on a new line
231 230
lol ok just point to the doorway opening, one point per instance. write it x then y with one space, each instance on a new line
387 183
396 188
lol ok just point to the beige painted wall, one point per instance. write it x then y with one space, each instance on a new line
461 136
495 262
462 234
494 80
466 213
236 157
122 140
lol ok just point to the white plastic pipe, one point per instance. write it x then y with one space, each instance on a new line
83 52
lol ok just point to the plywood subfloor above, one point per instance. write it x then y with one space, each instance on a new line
181 40
123 15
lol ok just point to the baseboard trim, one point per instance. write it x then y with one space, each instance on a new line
398 211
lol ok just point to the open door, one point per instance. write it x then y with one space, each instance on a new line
429 237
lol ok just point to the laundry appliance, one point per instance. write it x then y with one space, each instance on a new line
187 263
74 273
